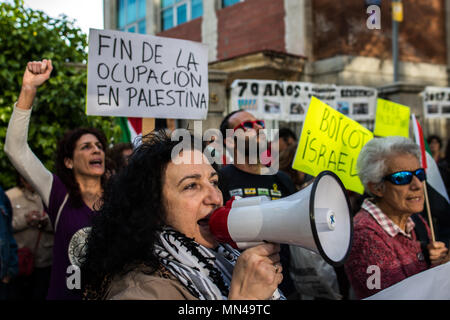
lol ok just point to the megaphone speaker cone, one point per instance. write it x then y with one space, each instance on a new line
330 218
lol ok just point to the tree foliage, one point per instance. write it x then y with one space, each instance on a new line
29 35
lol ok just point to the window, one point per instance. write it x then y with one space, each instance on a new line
175 12
227 3
131 16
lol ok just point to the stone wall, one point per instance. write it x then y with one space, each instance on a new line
339 28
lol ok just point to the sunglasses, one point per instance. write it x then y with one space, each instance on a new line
250 124
405 177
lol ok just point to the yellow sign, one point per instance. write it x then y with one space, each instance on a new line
397 11
331 141
391 119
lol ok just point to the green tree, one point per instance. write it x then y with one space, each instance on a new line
28 35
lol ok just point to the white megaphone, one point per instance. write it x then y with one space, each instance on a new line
317 218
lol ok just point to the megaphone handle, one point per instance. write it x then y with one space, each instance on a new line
246 245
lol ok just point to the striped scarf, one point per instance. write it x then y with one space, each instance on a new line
205 272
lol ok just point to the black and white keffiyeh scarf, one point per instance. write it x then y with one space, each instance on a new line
205 272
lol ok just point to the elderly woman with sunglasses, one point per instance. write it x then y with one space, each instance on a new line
385 249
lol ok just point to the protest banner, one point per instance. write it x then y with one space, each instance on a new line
391 119
331 141
289 100
271 100
436 102
327 93
431 284
135 75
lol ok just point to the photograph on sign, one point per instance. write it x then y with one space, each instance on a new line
445 109
135 75
296 109
343 107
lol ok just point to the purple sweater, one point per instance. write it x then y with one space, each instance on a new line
52 191
70 221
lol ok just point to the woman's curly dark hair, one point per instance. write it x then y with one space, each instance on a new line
125 228
66 147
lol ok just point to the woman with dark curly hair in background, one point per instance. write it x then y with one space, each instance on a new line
151 238
69 195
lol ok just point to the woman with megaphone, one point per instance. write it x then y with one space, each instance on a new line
385 247
151 238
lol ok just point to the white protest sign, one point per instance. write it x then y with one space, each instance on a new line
289 100
357 102
135 75
436 102
325 93
431 284
271 100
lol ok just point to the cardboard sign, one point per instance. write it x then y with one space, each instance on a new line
392 119
134 75
331 141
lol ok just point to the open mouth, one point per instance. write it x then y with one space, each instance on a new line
97 163
205 221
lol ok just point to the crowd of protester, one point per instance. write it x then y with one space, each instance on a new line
135 222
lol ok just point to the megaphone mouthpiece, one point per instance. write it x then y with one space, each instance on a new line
218 225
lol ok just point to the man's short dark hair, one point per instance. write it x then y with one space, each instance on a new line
285 133
224 125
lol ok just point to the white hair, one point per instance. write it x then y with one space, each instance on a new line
371 162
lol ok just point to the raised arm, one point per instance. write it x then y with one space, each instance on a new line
36 73
16 145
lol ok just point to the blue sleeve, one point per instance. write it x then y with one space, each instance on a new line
13 260
13 269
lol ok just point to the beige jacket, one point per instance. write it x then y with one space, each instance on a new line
22 202
136 285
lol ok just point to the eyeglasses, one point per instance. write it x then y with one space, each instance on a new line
250 124
405 177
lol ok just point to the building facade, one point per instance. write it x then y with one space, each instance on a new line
320 41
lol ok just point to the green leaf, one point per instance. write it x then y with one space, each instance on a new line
28 35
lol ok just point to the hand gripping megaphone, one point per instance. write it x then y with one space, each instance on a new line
317 218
